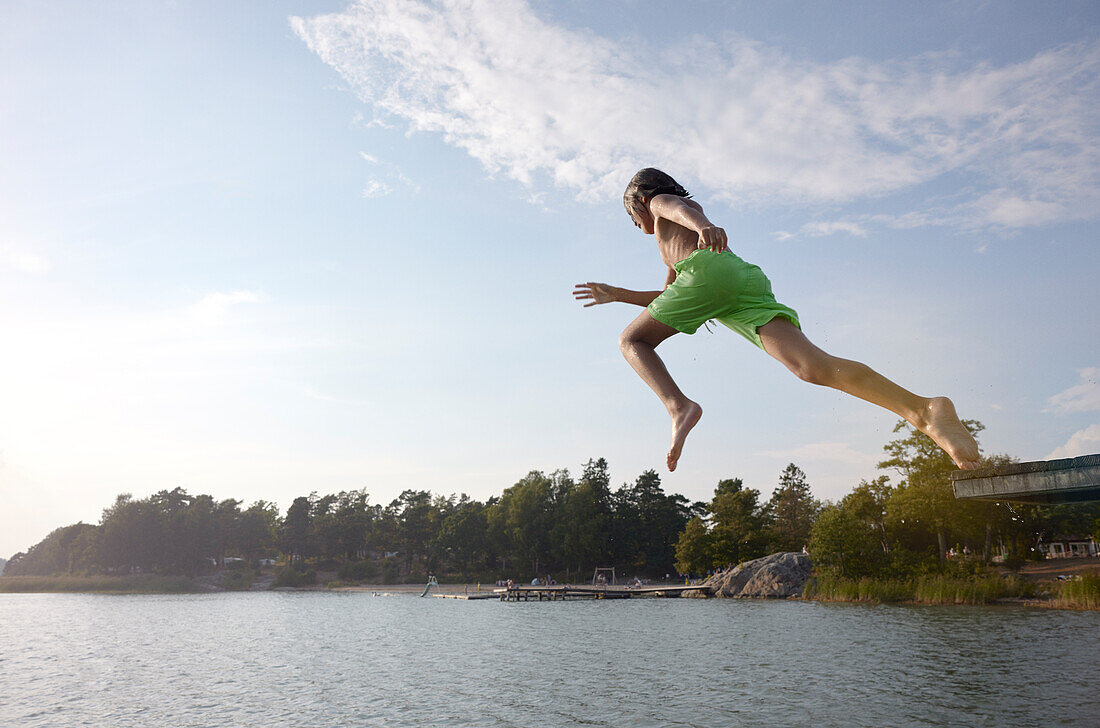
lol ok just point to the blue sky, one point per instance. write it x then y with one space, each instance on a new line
260 249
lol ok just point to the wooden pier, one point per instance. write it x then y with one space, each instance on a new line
561 592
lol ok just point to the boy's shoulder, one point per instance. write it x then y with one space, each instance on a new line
668 202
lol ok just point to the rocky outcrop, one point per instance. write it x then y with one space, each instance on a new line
778 576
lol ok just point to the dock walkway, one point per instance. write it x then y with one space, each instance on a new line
559 592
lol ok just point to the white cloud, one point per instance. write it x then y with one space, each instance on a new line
384 185
213 307
375 188
24 262
823 228
312 393
1081 397
838 452
1082 442
820 228
527 98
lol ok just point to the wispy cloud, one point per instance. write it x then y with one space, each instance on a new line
823 228
1082 442
213 307
382 183
1081 397
23 261
529 99
312 393
839 452
375 188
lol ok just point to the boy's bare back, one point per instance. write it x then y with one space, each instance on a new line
674 241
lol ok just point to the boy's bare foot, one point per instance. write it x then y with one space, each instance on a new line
682 422
942 424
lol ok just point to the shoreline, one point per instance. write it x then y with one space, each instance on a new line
1054 584
154 585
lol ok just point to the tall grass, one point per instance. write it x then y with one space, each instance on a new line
923 590
1083 592
829 588
979 590
131 584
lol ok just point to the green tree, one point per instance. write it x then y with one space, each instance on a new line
417 520
851 537
131 533
353 516
694 548
925 495
227 515
845 543
737 523
647 523
867 503
524 517
257 531
193 534
584 517
791 512
641 504
295 535
59 553
462 534
324 534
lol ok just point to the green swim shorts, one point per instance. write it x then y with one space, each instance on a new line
719 286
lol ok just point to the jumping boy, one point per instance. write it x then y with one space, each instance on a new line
706 281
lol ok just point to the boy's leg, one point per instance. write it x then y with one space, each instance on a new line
934 416
638 343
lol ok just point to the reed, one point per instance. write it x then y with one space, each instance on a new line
1081 592
946 590
935 589
130 584
830 588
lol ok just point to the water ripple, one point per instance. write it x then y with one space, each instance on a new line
348 659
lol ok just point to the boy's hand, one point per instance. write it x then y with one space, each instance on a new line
594 292
713 237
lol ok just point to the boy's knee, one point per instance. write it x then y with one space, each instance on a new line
627 341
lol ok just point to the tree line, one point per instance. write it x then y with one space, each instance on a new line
889 530
543 524
567 526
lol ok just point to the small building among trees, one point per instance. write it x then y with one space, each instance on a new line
1070 547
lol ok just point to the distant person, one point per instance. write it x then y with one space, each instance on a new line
706 281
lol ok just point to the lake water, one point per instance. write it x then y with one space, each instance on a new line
353 659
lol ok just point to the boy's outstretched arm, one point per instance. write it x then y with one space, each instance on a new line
677 210
601 293
597 293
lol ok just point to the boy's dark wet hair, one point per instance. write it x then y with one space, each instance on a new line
648 183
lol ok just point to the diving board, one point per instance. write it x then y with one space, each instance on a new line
1071 480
